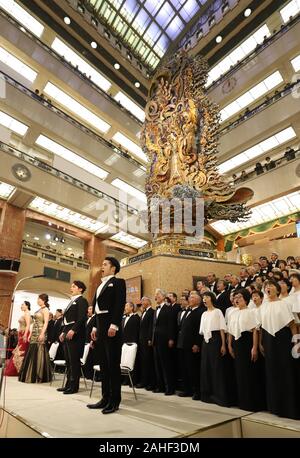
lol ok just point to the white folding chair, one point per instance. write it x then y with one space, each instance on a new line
128 356
83 360
96 369
52 353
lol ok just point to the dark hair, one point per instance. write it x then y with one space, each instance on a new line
260 293
45 299
114 263
174 295
212 296
245 293
59 310
296 275
287 282
274 283
28 304
80 285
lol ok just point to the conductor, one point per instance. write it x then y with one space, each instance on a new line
108 305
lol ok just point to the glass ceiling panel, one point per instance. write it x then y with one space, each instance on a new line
146 26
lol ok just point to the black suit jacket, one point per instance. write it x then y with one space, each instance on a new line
113 299
189 332
163 326
57 328
76 312
146 327
50 331
223 301
132 329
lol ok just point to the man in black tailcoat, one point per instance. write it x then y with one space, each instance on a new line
108 305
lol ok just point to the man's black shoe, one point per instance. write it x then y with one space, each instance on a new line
110 408
139 385
63 388
99 405
70 391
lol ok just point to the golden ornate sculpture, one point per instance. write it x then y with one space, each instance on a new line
180 138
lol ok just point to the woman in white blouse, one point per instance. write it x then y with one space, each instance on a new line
295 296
282 366
217 381
243 342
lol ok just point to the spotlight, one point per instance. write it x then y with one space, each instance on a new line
80 9
62 240
219 39
49 224
56 238
94 45
94 22
137 84
117 66
67 20
247 12
129 56
47 236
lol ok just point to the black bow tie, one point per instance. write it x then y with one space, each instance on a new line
158 307
189 309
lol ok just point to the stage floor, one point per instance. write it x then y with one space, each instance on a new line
52 414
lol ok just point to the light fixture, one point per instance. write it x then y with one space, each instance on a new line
49 224
94 22
27 235
36 238
56 238
247 12
22 16
62 240
219 39
67 20
137 84
131 106
117 66
80 9
94 45
17 65
47 236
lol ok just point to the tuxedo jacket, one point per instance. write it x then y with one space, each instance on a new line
213 287
132 329
163 326
189 332
223 301
50 328
113 299
146 327
76 311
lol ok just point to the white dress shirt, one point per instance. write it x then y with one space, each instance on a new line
127 318
73 298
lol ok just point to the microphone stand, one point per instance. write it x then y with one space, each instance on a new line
9 321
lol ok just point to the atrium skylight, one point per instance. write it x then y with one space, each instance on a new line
147 27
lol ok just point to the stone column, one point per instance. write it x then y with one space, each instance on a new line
95 252
12 222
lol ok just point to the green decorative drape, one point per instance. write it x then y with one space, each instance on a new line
230 238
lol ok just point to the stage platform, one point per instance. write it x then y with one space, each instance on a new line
38 410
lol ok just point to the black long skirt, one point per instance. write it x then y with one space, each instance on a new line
36 366
217 378
282 374
250 376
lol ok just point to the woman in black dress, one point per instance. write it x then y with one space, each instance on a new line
281 364
217 379
243 343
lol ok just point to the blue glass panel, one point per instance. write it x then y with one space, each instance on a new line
165 14
163 43
141 21
153 31
189 10
152 6
175 28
